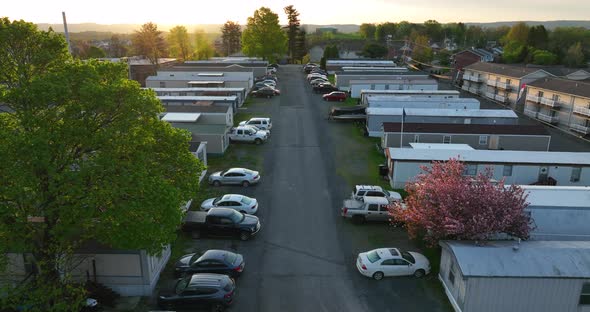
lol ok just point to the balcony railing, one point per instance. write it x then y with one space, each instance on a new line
547 118
582 110
549 102
491 83
580 128
533 98
465 87
472 78
490 95
500 98
474 90
502 85
530 113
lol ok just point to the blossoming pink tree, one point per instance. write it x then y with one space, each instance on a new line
443 203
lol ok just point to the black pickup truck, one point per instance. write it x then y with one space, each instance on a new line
221 222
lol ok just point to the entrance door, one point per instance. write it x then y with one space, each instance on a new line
543 173
494 142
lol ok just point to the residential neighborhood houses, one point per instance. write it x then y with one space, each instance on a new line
219 182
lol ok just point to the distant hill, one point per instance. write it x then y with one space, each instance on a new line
547 24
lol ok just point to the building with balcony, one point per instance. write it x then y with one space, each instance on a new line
500 82
562 102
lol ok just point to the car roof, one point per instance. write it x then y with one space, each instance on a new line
375 200
367 187
259 118
388 253
220 212
208 279
232 197
242 170
215 254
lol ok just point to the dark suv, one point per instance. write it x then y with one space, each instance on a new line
324 88
199 291
263 92
212 261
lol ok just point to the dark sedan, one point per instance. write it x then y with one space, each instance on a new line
212 261
199 291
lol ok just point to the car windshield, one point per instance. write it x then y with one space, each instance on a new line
182 284
250 172
246 200
230 257
408 256
216 200
237 217
194 258
373 256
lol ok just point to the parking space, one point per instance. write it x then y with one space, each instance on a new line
304 256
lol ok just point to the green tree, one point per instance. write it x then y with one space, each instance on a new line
26 52
444 57
87 159
149 42
374 50
231 35
514 52
543 57
574 56
433 30
179 43
422 51
203 48
263 36
475 36
538 37
519 32
404 29
96 52
367 30
300 45
116 47
384 30
292 30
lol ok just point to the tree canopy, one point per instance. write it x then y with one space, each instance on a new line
203 48
443 203
263 36
374 50
292 30
179 43
367 31
149 42
231 35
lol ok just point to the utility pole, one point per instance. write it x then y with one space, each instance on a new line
63 14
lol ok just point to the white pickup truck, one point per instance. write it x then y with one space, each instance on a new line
248 134
368 208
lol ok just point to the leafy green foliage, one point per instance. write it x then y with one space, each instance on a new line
367 30
383 30
514 52
203 48
292 30
231 34
263 36
422 52
574 56
149 42
374 50
179 43
544 57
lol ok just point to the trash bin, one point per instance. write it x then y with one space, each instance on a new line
383 170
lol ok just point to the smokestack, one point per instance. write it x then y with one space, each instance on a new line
63 14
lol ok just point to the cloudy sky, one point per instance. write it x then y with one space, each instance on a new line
312 12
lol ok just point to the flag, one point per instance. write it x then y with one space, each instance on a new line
401 133
403 115
521 92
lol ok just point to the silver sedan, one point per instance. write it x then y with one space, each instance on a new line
236 176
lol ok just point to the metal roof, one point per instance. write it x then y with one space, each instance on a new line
558 196
490 156
555 259
441 146
514 71
395 127
181 117
196 98
410 92
196 89
401 80
443 112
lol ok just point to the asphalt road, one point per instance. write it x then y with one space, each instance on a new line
303 259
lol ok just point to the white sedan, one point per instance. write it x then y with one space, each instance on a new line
392 262
241 203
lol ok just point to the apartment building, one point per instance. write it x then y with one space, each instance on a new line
562 102
500 82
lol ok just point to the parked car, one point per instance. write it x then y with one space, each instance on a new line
275 65
324 88
221 222
383 262
368 208
248 134
348 112
240 176
206 290
318 81
212 261
360 191
270 82
335 96
310 77
241 203
260 122
264 92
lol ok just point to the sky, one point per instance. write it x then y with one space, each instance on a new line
174 12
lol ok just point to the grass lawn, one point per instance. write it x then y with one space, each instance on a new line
331 78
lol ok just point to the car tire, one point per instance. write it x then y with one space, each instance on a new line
257 141
378 276
358 219
216 183
217 308
419 273
245 183
244 236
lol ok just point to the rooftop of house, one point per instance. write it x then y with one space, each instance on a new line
197 108
573 87
515 71
410 92
443 112
189 89
552 259
558 196
395 127
392 73
490 156
169 98
401 80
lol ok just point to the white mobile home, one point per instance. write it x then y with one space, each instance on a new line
333 66
416 102
559 212
182 79
515 167
507 276
342 79
240 93
376 116
493 137
439 94
409 83
203 128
